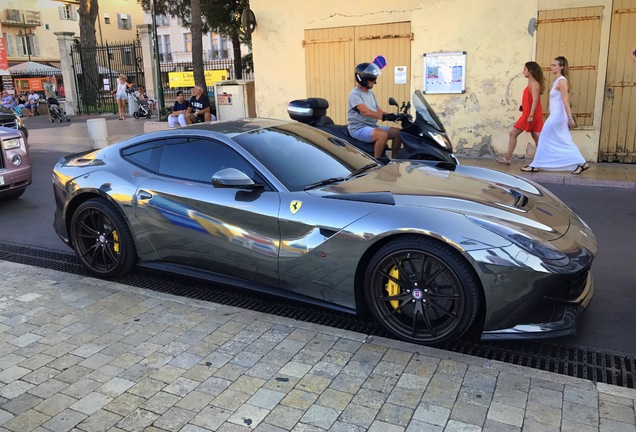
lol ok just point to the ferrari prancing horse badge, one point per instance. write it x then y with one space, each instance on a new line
294 206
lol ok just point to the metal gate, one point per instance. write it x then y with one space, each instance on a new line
618 128
97 69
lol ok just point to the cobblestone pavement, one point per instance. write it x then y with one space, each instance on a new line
83 354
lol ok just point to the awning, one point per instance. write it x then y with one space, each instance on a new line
33 67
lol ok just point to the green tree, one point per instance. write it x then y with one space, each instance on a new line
189 12
225 16
88 11
201 17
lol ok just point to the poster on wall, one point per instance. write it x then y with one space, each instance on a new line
445 72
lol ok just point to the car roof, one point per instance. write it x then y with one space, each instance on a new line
232 128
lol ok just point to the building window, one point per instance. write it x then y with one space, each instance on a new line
164 48
8 42
106 18
28 46
124 22
126 56
162 20
68 12
188 42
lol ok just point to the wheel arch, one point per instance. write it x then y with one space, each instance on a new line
79 199
361 304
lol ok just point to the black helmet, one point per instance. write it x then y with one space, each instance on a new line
366 72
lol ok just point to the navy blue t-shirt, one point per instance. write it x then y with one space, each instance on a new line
180 106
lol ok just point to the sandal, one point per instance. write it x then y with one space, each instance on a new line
503 160
580 168
529 169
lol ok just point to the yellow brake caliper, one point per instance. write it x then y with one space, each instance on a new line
392 288
115 242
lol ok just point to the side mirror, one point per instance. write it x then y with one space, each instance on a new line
393 102
231 177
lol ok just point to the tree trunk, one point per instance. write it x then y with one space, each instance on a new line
89 83
238 64
197 44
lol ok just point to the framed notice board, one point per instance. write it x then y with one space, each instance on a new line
445 72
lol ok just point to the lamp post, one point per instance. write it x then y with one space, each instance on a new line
159 91
27 35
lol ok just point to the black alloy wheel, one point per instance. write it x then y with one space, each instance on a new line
102 240
422 291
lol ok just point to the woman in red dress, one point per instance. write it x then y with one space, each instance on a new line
531 119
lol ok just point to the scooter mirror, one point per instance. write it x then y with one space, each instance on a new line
393 102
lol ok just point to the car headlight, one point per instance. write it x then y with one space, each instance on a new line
18 120
11 143
539 248
16 160
440 139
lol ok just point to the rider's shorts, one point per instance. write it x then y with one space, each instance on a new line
364 134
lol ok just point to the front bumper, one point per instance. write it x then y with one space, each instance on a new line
565 316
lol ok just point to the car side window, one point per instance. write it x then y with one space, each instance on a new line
146 155
198 159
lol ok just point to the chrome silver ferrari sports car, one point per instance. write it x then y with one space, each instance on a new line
433 251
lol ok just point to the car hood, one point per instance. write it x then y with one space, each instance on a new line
475 191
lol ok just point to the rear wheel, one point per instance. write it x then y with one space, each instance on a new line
422 291
102 240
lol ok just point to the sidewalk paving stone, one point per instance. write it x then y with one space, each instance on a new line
82 354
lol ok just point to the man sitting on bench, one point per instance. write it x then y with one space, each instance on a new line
199 109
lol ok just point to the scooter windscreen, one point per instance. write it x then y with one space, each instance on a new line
425 112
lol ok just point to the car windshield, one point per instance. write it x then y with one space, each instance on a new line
425 113
301 156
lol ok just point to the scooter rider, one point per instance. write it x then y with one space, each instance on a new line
364 113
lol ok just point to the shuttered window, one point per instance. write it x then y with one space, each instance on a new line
331 55
575 34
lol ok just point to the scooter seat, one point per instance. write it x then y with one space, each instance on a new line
343 132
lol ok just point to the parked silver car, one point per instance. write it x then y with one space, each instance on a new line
434 251
15 164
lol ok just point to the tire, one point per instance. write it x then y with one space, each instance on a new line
148 115
422 291
101 239
136 115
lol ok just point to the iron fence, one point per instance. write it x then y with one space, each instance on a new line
170 93
97 69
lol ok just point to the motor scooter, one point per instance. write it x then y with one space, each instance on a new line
423 138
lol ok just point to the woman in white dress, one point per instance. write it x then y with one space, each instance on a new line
556 150
121 96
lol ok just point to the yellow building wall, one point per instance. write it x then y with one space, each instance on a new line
497 35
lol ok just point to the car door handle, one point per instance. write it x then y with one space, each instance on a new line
143 195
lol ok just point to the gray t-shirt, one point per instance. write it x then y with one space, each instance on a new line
355 119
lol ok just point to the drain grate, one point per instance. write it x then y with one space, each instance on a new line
581 362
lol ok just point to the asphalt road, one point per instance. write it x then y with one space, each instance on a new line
608 324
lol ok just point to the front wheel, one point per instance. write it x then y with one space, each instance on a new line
101 239
422 291
136 115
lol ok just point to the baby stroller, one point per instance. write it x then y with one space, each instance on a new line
143 109
56 112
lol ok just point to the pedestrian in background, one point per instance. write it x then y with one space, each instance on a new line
531 119
121 96
556 150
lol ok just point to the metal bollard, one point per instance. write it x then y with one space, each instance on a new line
97 133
